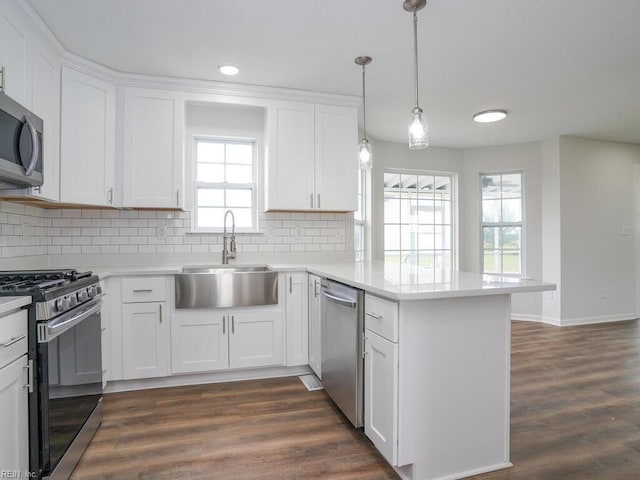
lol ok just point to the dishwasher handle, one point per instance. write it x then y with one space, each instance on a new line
342 301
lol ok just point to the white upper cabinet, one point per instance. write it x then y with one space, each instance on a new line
153 148
46 104
311 157
336 152
87 140
14 56
290 157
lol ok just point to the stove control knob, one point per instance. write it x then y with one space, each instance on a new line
82 295
98 289
72 301
92 291
62 304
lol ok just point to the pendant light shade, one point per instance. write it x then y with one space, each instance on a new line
364 148
418 129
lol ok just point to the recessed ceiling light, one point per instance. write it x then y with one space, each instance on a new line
488 116
228 70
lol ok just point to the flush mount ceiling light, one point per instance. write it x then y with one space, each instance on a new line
418 130
488 116
228 69
364 149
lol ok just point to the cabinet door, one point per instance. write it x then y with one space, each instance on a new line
256 338
315 334
14 51
297 317
336 166
87 139
380 394
46 104
199 341
145 335
14 441
153 148
290 157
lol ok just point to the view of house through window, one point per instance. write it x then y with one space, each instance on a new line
502 223
418 219
224 173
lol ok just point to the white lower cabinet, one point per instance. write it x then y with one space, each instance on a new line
297 314
145 340
381 394
315 334
209 340
381 375
14 434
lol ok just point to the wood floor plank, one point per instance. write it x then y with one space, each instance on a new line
575 415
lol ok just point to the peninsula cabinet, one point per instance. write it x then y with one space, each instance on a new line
311 157
87 139
218 339
315 332
153 148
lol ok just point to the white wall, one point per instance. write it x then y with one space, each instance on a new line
597 198
525 158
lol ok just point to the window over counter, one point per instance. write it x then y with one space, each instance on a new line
359 218
502 223
225 179
419 218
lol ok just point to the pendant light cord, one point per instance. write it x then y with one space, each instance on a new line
364 107
415 48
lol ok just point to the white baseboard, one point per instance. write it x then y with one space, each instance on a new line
204 378
569 322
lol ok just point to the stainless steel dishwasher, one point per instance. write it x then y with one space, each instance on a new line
342 336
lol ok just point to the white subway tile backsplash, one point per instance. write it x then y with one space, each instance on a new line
27 230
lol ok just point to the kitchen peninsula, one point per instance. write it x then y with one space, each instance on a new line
437 361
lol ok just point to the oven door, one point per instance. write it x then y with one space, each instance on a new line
70 359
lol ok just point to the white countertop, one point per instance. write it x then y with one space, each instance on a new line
390 280
8 304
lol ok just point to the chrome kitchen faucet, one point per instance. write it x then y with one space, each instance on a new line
231 252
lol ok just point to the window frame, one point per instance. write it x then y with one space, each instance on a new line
521 224
453 177
224 185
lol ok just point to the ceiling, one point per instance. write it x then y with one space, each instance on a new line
569 67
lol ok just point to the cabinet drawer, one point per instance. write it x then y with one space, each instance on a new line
381 317
144 289
13 337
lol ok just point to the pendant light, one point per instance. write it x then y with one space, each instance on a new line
418 130
364 148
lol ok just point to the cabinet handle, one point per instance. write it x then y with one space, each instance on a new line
141 290
233 324
29 369
110 196
290 284
373 315
311 200
160 312
224 324
364 346
12 341
177 197
315 288
318 200
1 79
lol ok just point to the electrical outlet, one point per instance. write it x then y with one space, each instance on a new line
626 230
604 293
161 231
549 294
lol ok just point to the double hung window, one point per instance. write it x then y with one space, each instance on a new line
502 223
225 179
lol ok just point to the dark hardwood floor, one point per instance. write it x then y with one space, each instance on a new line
575 399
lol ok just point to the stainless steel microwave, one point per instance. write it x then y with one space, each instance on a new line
20 146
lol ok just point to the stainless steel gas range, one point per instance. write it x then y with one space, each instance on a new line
65 397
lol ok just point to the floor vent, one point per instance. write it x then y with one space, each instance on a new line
311 382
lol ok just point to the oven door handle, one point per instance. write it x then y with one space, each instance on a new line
56 327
